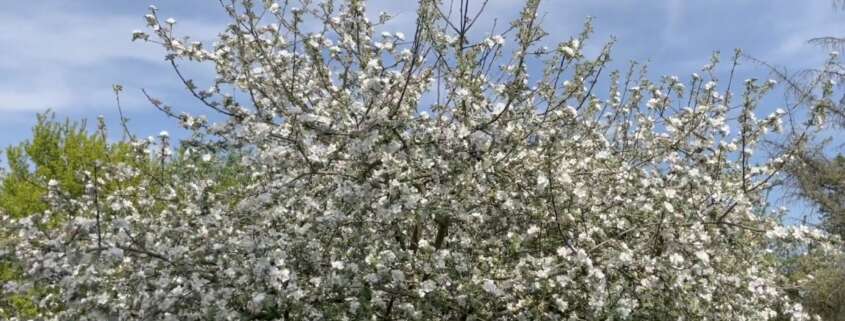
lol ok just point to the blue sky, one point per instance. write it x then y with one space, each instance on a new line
65 55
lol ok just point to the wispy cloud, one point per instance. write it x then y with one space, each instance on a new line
64 59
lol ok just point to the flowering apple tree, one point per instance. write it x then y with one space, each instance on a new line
442 174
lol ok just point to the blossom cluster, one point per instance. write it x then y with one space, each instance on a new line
426 176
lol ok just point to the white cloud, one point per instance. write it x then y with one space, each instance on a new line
675 10
68 59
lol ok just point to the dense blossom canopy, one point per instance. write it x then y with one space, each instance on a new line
442 174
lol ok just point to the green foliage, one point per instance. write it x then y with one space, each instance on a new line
821 287
57 151
821 181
